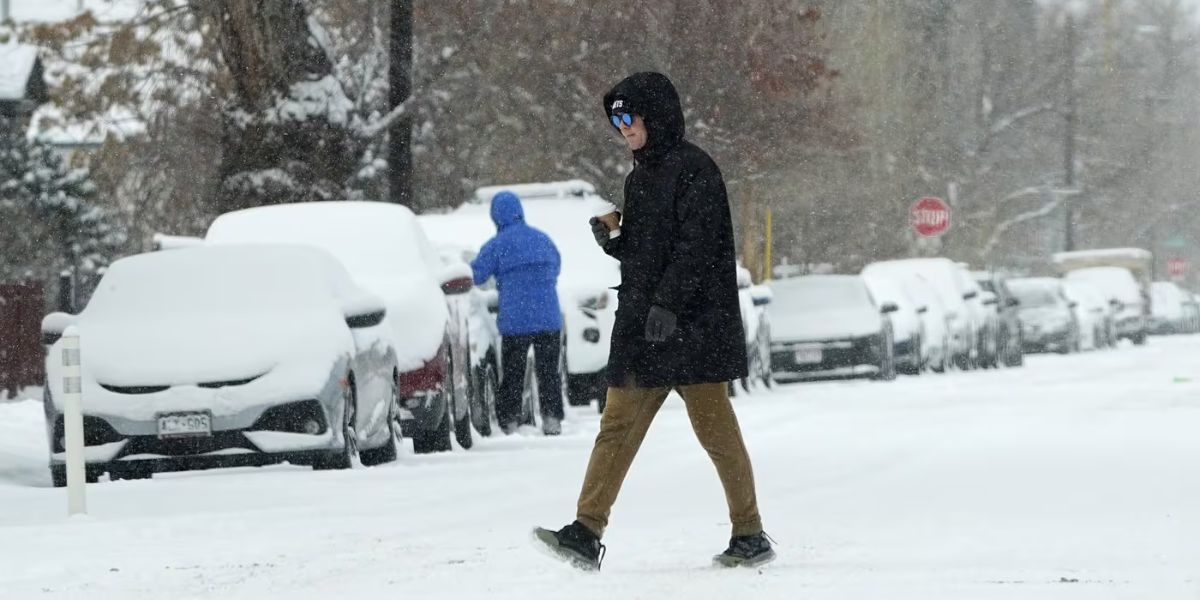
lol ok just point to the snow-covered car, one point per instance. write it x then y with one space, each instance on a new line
908 325
829 326
753 300
1168 315
985 320
1094 313
585 284
1122 289
386 252
1047 316
226 356
944 278
1008 323
1191 310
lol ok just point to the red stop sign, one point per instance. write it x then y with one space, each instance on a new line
1176 267
929 216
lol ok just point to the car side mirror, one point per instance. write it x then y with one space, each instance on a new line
457 286
889 307
367 319
922 310
53 326
1073 304
971 295
761 295
1013 302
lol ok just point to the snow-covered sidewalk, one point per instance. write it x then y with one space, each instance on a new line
1076 477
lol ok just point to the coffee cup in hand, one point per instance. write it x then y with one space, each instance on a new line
611 218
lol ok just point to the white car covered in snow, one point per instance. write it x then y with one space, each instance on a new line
945 279
238 355
1120 287
908 326
1168 303
756 324
1094 313
562 211
386 252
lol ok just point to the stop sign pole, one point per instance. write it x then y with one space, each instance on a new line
929 217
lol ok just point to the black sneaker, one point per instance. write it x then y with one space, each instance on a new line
574 544
746 551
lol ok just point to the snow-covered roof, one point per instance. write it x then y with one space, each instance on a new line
528 191
16 66
51 11
1103 253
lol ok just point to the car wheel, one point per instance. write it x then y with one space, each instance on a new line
58 476
462 426
963 362
428 441
387 452
345 458
1139 339
131 471
483 410
887 364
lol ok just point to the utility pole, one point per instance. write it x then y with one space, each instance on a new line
1069 141
399 153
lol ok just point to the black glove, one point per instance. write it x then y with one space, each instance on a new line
599 231
660 324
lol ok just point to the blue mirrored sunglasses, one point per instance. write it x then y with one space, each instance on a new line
619 118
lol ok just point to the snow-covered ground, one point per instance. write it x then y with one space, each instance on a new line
1076 477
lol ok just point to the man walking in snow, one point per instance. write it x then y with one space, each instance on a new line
678 324
526 264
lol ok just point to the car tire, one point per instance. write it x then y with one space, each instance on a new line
387 452
463 430
58 475
887 365
131 471
483 396
1139 339
348 454
428 441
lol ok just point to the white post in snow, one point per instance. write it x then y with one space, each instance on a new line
72 386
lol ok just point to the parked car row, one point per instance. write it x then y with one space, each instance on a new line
912 315
312 333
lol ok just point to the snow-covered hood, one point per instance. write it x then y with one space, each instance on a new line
208 348
824 325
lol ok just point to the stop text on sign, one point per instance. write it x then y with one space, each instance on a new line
929 216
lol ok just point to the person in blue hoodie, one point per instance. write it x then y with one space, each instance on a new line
525 263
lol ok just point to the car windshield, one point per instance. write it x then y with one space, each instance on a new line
373 240
210 280
1035 295
820 293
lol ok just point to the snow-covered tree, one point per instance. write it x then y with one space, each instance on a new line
53 206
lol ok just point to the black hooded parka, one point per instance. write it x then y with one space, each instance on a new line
676 250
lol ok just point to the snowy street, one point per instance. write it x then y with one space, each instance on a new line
1075 477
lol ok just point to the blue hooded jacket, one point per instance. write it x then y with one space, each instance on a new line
526 264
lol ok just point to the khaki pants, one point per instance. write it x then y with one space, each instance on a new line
627 417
